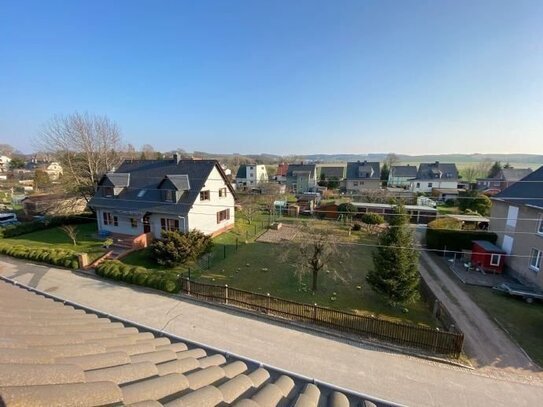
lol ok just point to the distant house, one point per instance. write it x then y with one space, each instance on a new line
400 176
52 204
517 218
150 196
362 175
435 175
281 173
251 175
331 171
302 177
504 179
4 163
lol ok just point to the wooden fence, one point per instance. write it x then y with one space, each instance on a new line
442 342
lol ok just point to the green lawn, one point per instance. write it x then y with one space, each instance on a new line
56 238
522 320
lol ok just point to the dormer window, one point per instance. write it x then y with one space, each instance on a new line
169 195
108 192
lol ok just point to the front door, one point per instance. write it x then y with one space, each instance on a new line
146 224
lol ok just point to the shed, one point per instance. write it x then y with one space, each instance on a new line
487 256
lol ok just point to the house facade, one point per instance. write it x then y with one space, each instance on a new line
400 176
302 178
150 196
251 175
331 171
434 175
517 219
362 175
504 179
4 163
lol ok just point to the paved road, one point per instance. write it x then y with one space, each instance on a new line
400 378
485 343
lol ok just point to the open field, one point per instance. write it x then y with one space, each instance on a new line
87 241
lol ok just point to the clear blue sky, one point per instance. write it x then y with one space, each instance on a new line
280 76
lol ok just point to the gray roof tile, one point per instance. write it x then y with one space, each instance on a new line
363 170
527 192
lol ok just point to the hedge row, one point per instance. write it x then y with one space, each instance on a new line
117 270
57 257
53 222
456 240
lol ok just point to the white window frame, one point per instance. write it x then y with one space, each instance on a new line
222 192
512 216
539 230
493 256
536 255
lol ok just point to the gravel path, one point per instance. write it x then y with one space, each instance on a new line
397 377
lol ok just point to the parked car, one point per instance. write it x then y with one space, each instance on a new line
7 219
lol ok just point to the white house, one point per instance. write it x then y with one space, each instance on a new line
54 170
149 196
251 175
4 163
435 175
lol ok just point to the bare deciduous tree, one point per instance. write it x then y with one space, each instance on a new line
147 152
249 209
87 146
391 159
71 232
6 149
311 253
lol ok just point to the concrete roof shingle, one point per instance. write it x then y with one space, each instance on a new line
49 356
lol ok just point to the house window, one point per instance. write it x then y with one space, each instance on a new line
108 219
430 184
169 224
512 214
418 184
204 195
535 259
495 259
540 226
251 175
108 192
133 222
355 183
115 221
222 192
168 196
223 215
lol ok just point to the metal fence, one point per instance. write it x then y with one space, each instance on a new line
442 342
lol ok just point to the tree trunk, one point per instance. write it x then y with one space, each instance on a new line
315 275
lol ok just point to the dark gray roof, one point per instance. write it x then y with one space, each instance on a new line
437 170
242 172
529 191
294 169
403 171
56 353
489 247
363 170
144 194
514 174
180 181
119 179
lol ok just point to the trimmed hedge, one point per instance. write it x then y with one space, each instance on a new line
119 271
53 222
371 218
456 240
56 257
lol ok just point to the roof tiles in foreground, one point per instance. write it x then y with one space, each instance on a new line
55 354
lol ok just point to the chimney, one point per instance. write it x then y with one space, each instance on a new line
176 157
437 163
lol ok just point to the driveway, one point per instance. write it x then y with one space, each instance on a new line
400 378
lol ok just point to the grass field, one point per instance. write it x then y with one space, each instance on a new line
523 321
55 238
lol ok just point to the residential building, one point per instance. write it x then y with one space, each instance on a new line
281 173
52 204
4 163
504 179
301 177
362 175
149 196
435 175
331 171
251 175
400 176
517 218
